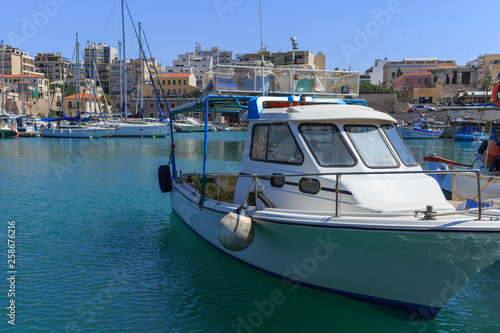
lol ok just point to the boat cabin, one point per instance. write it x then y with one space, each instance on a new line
302 149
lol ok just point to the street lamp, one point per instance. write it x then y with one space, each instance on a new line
295 77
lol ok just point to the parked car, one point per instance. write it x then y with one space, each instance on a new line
422 108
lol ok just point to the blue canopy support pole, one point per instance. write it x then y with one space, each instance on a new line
206 138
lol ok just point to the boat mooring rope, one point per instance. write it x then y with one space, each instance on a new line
433 215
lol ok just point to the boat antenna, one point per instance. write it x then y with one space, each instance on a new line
262 49
3 82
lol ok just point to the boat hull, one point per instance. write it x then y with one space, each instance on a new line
147 130
7 133
424 272
460 136
80 133
419 134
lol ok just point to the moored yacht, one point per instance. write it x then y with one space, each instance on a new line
322 199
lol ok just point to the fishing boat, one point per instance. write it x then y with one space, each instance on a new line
321 200
470 130
7 127
464 186
421 127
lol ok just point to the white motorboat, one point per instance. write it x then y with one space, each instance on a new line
189 124
342 205
138 128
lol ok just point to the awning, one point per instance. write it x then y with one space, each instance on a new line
36 94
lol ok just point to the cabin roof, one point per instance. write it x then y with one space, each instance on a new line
325 112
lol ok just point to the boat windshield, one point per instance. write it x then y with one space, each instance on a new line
327 145
371 146
400 146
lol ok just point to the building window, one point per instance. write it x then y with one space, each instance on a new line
151 115
151 105
163 82
173 82
184 82
425 80
117 105
179 82
184 91
407 80
172 105
419 80
179 91
393 75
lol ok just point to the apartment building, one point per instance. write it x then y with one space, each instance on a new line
200 61
17 62
53 66
393 69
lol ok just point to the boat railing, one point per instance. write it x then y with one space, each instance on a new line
338 177
239 79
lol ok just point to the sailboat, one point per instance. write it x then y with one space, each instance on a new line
135 127
71 127
7 125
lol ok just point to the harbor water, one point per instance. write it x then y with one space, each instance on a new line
98 249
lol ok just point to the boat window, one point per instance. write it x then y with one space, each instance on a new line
400 146
275 143
327 145
371 146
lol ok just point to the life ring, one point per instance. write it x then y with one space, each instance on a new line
494 94
164 178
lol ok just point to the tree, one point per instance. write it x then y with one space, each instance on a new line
368 88
194 94
399 72
69 89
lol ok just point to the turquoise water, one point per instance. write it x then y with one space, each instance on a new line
98 249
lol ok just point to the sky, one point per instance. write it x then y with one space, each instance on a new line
352 34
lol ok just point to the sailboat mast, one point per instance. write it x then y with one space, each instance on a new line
3 82
22 91
48 87
124 63
77 76
140 59
121 78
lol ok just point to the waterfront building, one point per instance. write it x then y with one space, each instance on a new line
53 66
86 101
174 84
17 62
376 72
441 84
151 110
199 61
488 65
285 58
393 69
99 56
